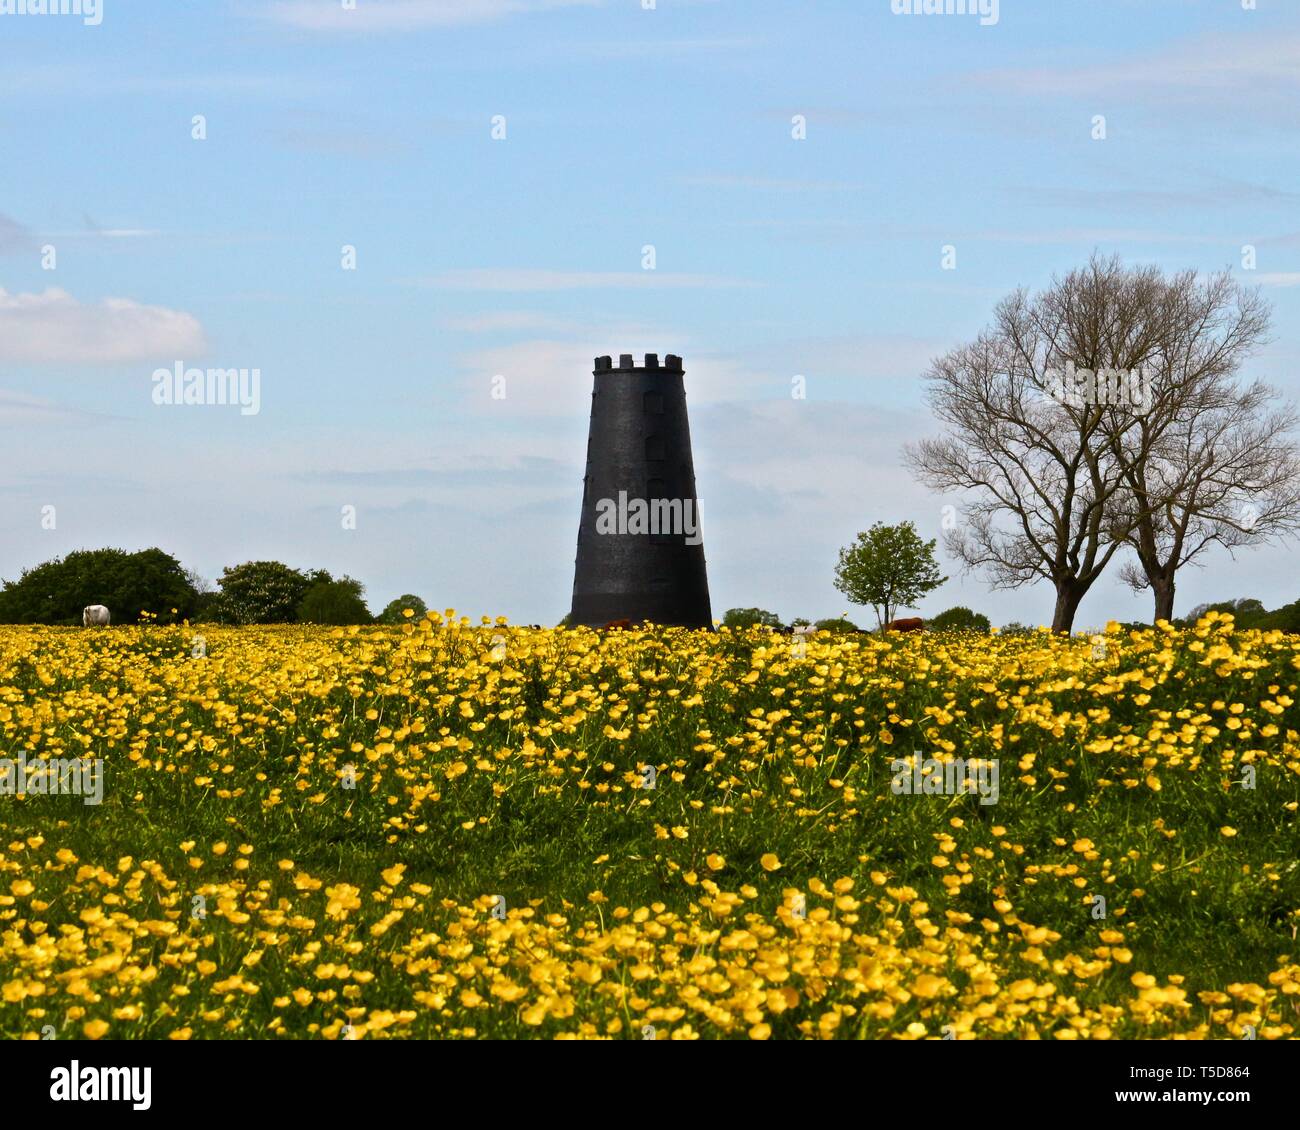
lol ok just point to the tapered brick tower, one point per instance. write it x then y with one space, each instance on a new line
640 550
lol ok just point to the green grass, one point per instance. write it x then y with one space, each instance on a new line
283 707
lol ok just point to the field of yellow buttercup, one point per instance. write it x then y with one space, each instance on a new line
463 830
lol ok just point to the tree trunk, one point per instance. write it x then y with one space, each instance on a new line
1068 598
1163 589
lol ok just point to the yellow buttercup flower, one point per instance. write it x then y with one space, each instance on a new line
415 776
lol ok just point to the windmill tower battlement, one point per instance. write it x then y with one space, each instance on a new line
640 550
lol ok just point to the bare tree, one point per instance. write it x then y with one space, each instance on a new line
199 582
1057 484
1226 472
1208 461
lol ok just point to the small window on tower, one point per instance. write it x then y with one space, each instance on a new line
654 448
654 403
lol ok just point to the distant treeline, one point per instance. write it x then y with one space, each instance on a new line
1246 613
1250 613
957 619
153 585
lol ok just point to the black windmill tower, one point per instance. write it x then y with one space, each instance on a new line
639 448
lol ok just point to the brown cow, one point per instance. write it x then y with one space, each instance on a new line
908 624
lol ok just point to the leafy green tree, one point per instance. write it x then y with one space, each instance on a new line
263 592
55 592
334 602
392 613
888 567
1286 618
750 618
960 619
1246 611
841 624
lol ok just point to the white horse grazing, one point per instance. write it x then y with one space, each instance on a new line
94 615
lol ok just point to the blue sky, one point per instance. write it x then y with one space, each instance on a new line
522 257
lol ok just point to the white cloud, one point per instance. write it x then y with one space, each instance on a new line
554 378
1201 66
1218 193
874 357
774 184
85 78
54 327
1076 236
533 279
17 409
407 15
551 377
508 320
103 233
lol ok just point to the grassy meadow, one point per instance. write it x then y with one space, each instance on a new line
447 830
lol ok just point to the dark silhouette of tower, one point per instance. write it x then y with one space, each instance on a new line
640 551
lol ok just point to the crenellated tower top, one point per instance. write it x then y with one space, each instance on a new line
627 363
